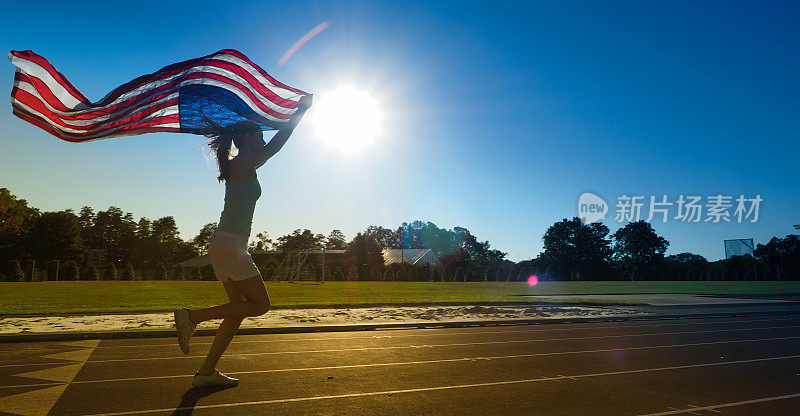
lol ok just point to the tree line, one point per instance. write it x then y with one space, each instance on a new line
572 250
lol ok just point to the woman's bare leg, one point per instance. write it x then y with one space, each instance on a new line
247 298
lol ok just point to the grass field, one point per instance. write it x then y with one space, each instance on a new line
42 298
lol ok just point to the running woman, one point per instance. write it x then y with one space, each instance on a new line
230 260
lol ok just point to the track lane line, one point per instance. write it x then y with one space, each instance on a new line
459 344
714 407
542 354
450 387
421 346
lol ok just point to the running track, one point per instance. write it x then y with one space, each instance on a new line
713 366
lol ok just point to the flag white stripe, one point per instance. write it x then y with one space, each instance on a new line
279 91
31 68
145 88
208 69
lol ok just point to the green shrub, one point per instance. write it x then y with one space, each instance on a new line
127 272
194 273
89 273
12 272
436 277
388 275
208 273
110 273
70 272
338 275
160 272
177 273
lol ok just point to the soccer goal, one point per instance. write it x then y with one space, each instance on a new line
739 247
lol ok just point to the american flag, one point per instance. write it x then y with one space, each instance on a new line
187 97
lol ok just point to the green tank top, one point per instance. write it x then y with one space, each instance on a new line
240 203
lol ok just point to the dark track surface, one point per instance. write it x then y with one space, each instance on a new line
716 366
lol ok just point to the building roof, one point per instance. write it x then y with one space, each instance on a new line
415 256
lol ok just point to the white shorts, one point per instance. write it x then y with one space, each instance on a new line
229 257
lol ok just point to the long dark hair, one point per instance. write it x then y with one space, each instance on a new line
221 139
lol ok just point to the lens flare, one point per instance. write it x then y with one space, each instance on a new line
302 41
533 280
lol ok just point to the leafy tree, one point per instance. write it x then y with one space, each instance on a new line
110 273
576 251
16 219
336 241
262 243
384 237
203 238
686 266
70 272
638 249
55 235
781 255
11 271
299 240
364 255
165 239
113 230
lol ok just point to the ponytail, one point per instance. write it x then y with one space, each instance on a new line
221 140
221 145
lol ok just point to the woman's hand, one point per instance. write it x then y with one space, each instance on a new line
302 106
259 157
306 101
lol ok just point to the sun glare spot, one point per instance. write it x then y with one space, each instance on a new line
533 280
347 118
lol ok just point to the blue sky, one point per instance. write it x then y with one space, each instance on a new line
495 119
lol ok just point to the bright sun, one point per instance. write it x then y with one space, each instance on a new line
346 118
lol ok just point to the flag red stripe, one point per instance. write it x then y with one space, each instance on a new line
43 90
174 69
140 127
123 107
148 96
35 104
274 81
47 66
41 87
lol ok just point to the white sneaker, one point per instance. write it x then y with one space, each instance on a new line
214 379
185 327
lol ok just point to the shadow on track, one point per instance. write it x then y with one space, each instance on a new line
190 398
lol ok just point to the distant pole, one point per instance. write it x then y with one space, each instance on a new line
323 264
31 270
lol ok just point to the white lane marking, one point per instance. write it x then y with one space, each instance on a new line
459 344
713 407
532 329
444 360
451 387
